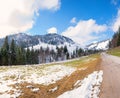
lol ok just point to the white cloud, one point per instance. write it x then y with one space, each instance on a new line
18 15
73 20
115 2
52 30
116 23
49 4
82 33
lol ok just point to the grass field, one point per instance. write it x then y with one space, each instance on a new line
115 51
45 81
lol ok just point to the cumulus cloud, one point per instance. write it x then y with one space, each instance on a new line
73 20
18 15
114 2
116 23
83 31
49 4
52 30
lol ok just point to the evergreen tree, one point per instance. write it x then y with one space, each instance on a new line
20 56
118 39
115 39
53 55
58 52
13 53
36 60
0 58
28 56
80 52
5 52
65 49
32 56
68 55
73 54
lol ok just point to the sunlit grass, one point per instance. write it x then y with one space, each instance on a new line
82 61
115 51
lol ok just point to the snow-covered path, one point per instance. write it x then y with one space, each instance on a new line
111 77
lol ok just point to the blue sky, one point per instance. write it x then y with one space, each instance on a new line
84 21
102 11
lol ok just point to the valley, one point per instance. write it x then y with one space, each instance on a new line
48 81
59 49
95 75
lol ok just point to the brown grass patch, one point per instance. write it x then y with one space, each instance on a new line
63 85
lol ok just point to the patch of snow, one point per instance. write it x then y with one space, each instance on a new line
89 87
29 86
29 74
54 89
51 74
77 83
35 90
5 88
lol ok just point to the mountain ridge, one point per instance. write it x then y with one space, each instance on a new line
101 45
51 41
26 40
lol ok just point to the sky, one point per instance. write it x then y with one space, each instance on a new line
84 21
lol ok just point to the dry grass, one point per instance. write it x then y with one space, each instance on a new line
115 51
67 83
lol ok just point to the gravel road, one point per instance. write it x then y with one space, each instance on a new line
111 78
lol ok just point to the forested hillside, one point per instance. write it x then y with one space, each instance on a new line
115 40
13 54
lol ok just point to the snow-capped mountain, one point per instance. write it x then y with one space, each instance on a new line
103 45
26 40
48 40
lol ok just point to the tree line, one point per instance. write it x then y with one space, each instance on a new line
12 54
115 41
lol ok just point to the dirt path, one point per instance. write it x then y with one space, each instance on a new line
111 77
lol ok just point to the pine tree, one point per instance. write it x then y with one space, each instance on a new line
80 52
5 52
58 52
53 55
36 60
20 56
115 39
32 54
65 49
13 53
0 58
118 39
28 56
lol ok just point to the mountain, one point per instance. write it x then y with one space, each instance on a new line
103 45
48 40
26 40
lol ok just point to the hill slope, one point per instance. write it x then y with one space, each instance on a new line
29 40
103 45
37 41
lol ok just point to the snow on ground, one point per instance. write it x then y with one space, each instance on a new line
30 74
89 87
54 89
50 74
